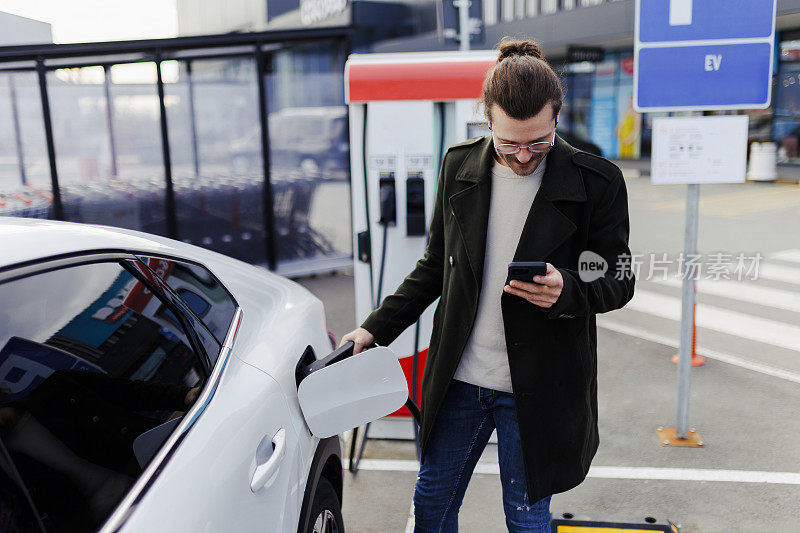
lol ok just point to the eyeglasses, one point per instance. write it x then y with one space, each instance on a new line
536 148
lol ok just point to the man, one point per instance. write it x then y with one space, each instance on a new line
518 357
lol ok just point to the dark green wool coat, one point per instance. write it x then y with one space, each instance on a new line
552 353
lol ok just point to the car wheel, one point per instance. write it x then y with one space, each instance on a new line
326 512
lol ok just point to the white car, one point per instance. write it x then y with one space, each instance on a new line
149 385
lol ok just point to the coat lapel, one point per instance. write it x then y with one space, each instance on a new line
546 227
470 204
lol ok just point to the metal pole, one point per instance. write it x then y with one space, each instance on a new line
12 88
440 21
192 121
110 119
269 209
58 208
463 24
172 221
687 304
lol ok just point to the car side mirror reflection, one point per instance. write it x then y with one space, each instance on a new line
352 391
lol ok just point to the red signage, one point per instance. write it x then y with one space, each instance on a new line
139 295
444 79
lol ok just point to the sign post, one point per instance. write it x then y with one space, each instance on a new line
700 56
691 151
461 22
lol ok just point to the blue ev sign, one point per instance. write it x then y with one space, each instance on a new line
703 54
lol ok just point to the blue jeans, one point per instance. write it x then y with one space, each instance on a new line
463 426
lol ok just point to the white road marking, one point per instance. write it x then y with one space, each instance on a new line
791 255
744 201
694 474
619 472
745 291
779 273
711 354
734 323
410 522
406 465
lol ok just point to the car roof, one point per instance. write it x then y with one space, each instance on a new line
24 239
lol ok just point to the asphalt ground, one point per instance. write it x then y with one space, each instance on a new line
744 400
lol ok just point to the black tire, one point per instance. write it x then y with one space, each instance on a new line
326 511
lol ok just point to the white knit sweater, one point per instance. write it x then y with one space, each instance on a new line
485 359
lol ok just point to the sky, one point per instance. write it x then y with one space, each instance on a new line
76 21
80 21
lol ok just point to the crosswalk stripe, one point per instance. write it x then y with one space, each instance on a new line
745 291
612 325
792 255
779 273
734 323
736 203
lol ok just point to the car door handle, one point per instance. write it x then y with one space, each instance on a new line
269 456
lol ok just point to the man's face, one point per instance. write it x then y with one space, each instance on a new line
522 132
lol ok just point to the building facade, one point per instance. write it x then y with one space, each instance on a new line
598 104
16 30
598 92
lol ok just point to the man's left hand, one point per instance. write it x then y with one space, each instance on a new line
543 291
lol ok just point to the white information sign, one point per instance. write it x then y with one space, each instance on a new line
419 162
699 150
383 163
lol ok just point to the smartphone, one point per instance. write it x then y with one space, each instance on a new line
525 270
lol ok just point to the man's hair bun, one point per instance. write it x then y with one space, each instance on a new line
524 84
513 47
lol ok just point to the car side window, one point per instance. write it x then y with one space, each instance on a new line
16 513
92 382
185 317
200 290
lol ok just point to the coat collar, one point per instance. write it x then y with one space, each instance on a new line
546 227
561 180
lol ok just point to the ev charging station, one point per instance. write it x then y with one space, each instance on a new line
406 109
